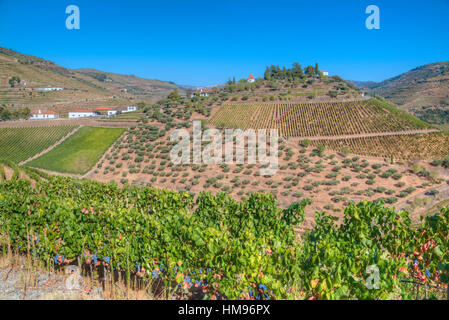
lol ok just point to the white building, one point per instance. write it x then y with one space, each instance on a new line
50 89
112 113
44 115
202 92
251 78
325 72
130 109
82 114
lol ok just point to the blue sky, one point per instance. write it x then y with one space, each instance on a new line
206 42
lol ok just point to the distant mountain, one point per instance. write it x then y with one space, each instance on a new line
190 87
82 87
140 88
427 85
362 84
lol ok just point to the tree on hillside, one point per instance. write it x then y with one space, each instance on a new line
174 96
297 71
317 70
284 73
310 71
13 80
278 72
140 105
26 113
267 74
4 114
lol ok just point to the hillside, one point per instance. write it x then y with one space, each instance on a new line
426 85
139 88
82 88
323 118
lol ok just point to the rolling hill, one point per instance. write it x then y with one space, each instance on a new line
82 88
426 85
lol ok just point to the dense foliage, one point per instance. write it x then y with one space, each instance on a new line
433 115
14 114
247 249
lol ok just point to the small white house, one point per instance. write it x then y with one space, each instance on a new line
82 114
130 109
325 72
251 78
50 89
112 113
202 92
44 115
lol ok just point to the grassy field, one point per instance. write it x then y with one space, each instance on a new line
79 153
18 144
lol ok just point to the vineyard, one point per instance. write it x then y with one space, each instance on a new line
78 153
317 119
408 147
19 144
221 248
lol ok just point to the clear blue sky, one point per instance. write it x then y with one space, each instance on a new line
206 42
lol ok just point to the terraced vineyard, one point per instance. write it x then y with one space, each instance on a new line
18 144
318 119
428 146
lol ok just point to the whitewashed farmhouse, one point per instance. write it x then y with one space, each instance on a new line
82 114
50 89
44 114
130 109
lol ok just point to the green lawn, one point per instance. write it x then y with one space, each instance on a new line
80 152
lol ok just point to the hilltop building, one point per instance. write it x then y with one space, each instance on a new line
325 72
201 92
44 114
251 78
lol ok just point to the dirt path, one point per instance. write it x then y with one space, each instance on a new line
363 135
20 282
50 147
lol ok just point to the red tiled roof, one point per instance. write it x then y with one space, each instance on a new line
324 71
103 109
251 76
203 90
44 112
